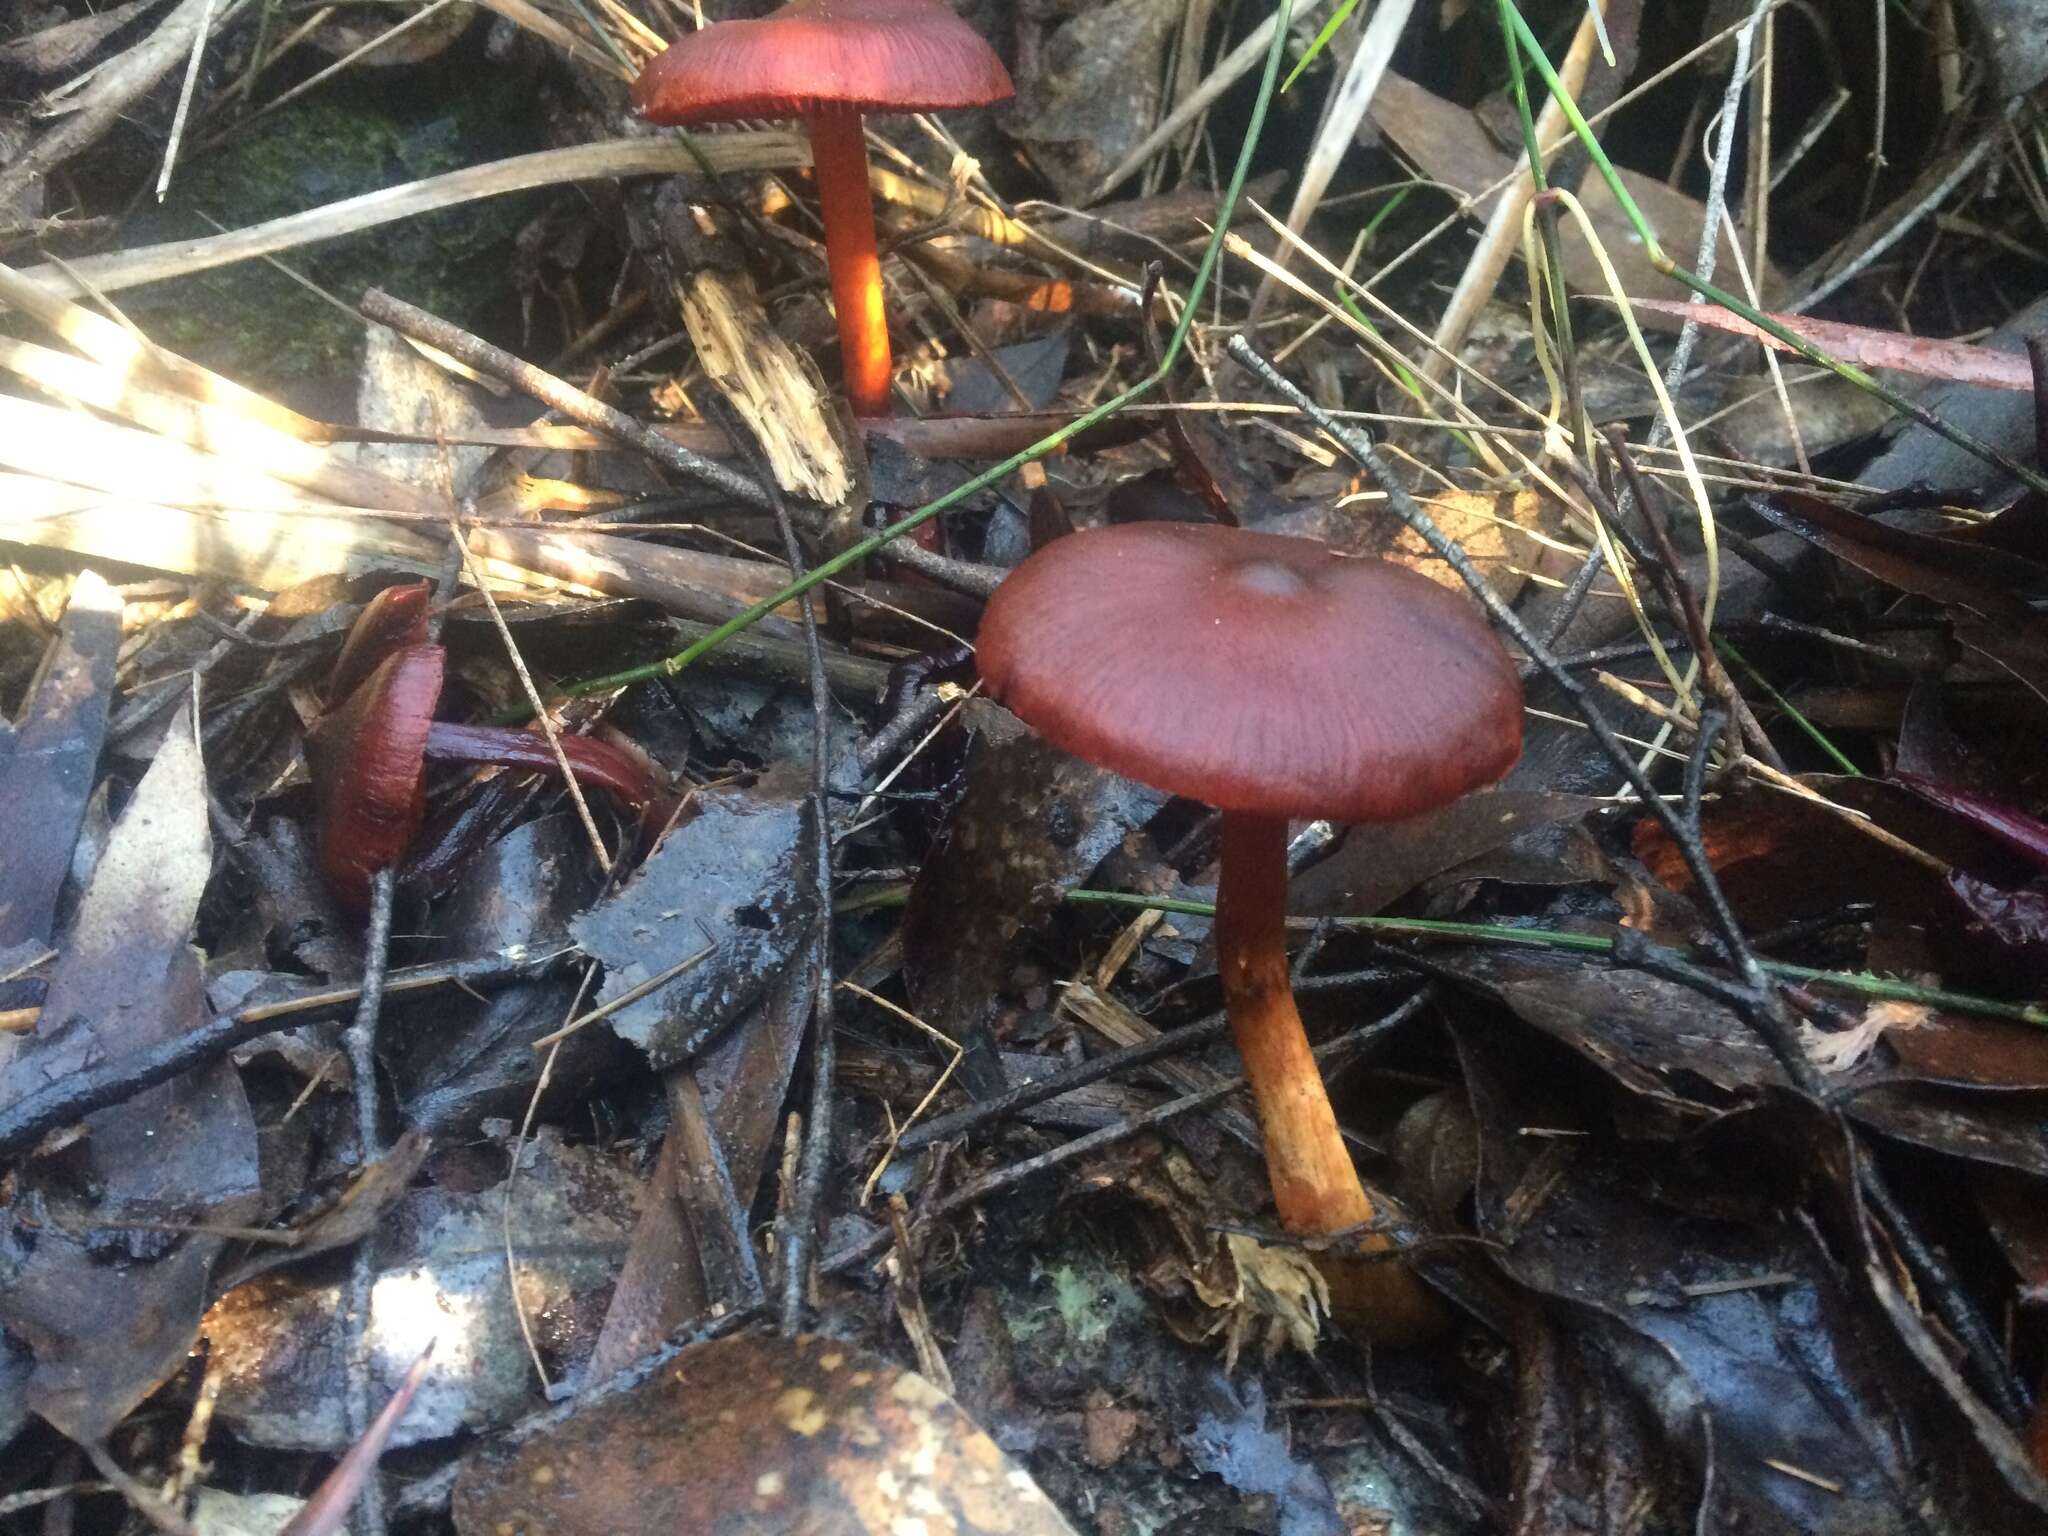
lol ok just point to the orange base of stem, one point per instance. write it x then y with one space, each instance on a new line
1315 1186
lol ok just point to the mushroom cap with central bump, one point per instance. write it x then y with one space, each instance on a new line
815 55
1254 672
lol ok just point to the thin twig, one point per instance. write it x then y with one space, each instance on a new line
1719 163
968 576
100 1086
389 35
995 1182
200 34
798 1228
922 708
985 1113
546 722
361 1043
1679 595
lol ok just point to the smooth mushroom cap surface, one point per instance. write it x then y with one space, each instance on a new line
395 618
813 55
368 760
1254 672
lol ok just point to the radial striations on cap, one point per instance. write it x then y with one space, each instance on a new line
865 55
1254 672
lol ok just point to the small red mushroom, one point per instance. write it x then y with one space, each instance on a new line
368 757
395 618
368 753
1271 678
827 62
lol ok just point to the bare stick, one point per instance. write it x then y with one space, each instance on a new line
361 1040
799 1227
70 1099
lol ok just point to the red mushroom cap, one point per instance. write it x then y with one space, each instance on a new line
867 55
390 621
368 757
1254 672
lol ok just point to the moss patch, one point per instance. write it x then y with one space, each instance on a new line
258 325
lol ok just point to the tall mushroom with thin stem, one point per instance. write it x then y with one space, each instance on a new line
828 62
1271 678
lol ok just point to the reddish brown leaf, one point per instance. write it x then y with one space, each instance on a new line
1866 347
2024 834
1941 570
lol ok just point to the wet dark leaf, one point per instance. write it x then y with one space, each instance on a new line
1032 822
1377 865
2001 1130
1918 455
1981 581
1761 845
291 904
1966 1052
742 1080
1099 85
1686 1052
1037 366
2018 1218
1928 745
477 1059
48 776
1739 1330
1591 1455
1654 1037
2019 653
777 1436
1453 148
359 1211
726 882
109 1312
2025 835
2014 924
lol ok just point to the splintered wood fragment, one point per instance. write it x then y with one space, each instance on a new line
774 388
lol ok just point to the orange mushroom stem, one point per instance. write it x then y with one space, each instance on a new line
1271 678
828 62
839 155
1316 1188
